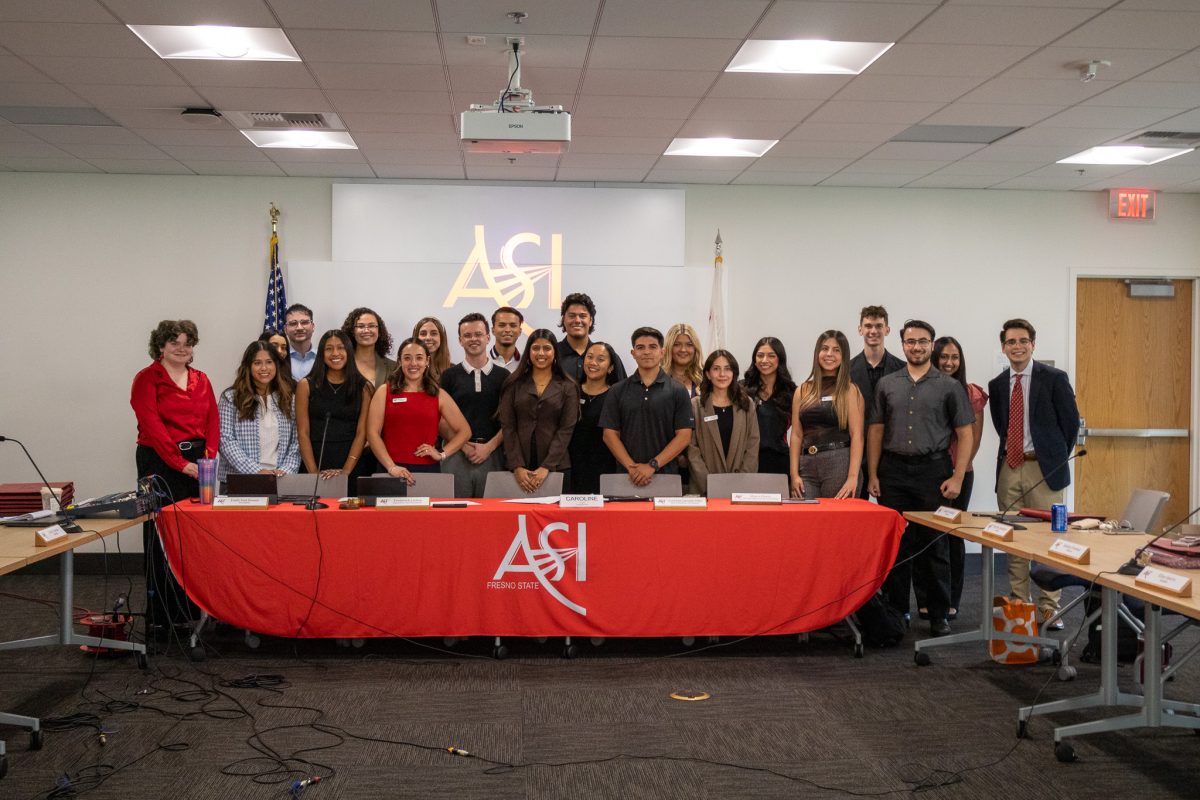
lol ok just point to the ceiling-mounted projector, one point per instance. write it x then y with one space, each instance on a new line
513 124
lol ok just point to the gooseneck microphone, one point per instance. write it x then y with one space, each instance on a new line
67 523
314 502
1002 516
1134 566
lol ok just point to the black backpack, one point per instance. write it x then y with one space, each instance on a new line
881 624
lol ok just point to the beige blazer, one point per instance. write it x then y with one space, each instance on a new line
705 454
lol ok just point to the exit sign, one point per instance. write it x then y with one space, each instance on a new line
1131 204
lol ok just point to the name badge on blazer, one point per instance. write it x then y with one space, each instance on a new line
827 398
399 399
713 418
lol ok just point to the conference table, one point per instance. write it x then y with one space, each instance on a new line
1106 554
17 550
497 568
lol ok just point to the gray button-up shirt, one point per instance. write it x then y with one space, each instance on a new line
919 418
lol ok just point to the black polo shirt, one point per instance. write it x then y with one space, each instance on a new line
647 417
572 362
919 418
477 394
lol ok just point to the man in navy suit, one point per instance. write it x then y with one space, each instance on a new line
1033 409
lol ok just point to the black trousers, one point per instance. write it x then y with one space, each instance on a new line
908 485
958 550
166 602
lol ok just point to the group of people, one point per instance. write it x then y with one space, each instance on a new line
904 431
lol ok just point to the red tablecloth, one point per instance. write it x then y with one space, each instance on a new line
502 569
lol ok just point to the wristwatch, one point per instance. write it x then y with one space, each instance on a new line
654 464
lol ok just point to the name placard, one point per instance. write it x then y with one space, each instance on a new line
400 503
998 531
241 502
581 501
948 514
756 499
49 535
1071 551
1152 578
680 503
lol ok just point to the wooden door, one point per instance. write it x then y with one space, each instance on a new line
1133 379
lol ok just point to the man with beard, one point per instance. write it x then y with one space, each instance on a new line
506 329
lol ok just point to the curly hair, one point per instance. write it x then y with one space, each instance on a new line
168 330
383 345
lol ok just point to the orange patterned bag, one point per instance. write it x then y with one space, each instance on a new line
1016 617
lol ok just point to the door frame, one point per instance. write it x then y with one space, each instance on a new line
1174 274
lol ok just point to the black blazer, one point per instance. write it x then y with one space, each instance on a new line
1053 420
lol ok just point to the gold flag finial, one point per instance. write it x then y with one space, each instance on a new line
274 218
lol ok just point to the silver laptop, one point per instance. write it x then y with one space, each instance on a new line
1143 513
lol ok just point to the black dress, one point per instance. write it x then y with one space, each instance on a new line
590 457
343 411
773 424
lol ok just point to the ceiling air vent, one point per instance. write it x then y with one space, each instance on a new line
1162 138
285 120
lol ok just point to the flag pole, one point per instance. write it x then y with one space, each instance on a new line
716 306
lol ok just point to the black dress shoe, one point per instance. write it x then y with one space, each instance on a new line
939 627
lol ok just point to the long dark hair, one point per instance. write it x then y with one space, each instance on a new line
354 379
526 365
395 381
245 397
611 377
383 345
939 345
810 391
737 395
785 387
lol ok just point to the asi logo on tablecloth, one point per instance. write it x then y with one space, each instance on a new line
547 563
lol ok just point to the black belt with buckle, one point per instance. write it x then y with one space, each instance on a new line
191 449
813 449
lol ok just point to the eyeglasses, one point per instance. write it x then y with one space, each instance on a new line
298 323
369 326
1015 342
918 342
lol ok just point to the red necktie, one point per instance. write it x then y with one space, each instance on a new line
1014 448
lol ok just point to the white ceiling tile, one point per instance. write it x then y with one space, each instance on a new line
426 172
408 141
72 40
135 166
136 152
64 164
704 163
601 175
39 94
389 102
159 118
513 173
925 151
736 128
84 134
126 96
773 163
1036 91
1150 94
232 98
223 136
948 59
128 71
646 83
399 123
247 74
13 133
1188 121
487 81
888 166
399 15
30 150
623 127
506 161
780 178
631 52
911 88
292 155
1007 152
801 148
1097 4
53 11
574 17
850 22
460 101
1074 137
1064 63
1090 116
679 108
1120 28
783 87
361 47
634 145
252 14
411 156
327 170
264 169
721 108
543 51
990 114
840 111
939 181
996 170
999 24
17 70
867 180
875 132
715 176
388 77
1184 68
607 161
188 152
720 19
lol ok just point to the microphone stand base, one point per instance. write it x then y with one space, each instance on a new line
70 527
1130 567
314 504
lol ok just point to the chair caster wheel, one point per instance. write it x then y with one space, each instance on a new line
499 652
1055 658
921 659
143 663
449 641
1064 752
252 640
1022 728
570 651
542 639
1065 673
858 650
3 766
197 653
688 641
598 640
357 643
802 638
36 740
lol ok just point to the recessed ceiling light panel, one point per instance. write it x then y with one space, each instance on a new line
807 56
720 146
1125 155
217 42
302 140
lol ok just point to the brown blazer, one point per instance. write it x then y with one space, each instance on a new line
705 454
549 420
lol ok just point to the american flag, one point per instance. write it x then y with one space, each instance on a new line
276 294
716 303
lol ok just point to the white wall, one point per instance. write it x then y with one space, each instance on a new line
91 262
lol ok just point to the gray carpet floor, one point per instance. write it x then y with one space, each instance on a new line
785 719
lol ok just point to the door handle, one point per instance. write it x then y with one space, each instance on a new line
1137 433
